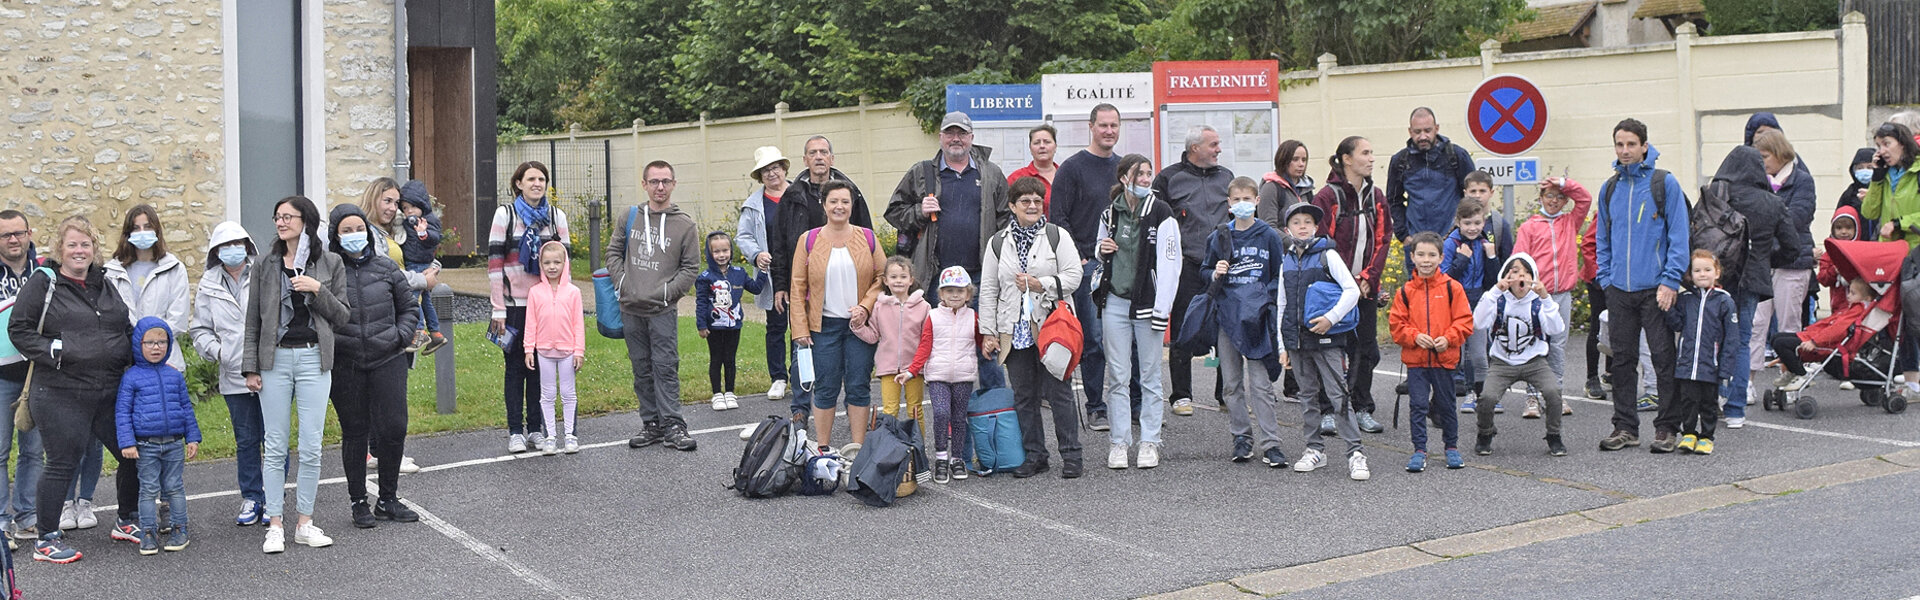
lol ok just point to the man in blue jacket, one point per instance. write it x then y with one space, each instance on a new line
1424 180
1642 244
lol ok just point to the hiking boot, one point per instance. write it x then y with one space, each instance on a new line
149 544
1030 468
957 468
1275 458
1242 448
677 438
391 509
1663 442
942 471
1357 467
1648 403
1703 447
650 434
1620 438
1686 443
1098 422
362 514
1070 470
1183 407
1555 447
435 340
1368 423
1483 445
53 548
1417 462
1454 461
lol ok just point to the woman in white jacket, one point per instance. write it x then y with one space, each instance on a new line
1028 267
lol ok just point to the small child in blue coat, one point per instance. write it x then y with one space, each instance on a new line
1472 258
717 313
1709 351
154 417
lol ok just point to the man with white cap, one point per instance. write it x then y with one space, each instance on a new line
763 207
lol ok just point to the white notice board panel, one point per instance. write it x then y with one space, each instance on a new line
1249 133
1067 99
1008 139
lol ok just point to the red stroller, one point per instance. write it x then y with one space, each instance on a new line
1866 356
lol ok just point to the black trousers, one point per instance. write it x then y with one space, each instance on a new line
723 349
1596 302
523 384
1629 314
1694 409
69 421
1193 282
1032 384
372 407
1363 354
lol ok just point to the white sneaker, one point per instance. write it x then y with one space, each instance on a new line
1149 455
1845 385
778 391
547 448
534 438
573 445
516 443
733 401
746 433
1736 422
312 536
1313 459
1357 467
276 540
372 462
407 465
1117 456
68 520
83 517
719 401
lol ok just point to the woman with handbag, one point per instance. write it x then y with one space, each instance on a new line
836 280
74 328
1029 269
370 366
297 292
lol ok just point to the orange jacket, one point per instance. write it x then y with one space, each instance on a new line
1436 306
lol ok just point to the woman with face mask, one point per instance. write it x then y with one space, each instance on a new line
219 335
370 366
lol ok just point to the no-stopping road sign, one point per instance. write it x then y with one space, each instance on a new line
1507 115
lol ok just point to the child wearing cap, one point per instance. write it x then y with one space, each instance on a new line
1317 356
945 359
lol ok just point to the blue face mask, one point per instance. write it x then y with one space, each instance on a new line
1864 176
1140 190
233 256
143 239
355 242
1241 210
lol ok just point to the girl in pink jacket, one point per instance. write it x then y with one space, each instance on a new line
556 339
894 327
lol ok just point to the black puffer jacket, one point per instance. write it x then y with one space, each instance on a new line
1767 225
381 313
91 323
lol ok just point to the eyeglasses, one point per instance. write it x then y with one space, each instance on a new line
283 218
659 182
153 343
14 235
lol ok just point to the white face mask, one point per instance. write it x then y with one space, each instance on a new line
355 242
143 239
1140 190
1242 210
233 256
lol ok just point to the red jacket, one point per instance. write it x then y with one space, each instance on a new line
1342 225
1552 241
1046 195
1436 306
1589 253
1827 274
1829 332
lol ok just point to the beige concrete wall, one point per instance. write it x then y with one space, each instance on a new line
358 62
109 106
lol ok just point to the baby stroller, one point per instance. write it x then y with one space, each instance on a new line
1866 356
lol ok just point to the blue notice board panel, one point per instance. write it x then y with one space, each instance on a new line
1016 102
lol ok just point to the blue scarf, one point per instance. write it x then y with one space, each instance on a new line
536 220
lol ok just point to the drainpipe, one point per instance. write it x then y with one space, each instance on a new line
402 152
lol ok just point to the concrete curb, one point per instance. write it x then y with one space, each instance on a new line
1672 505
1211 591
1512 536
1336 570
1819 477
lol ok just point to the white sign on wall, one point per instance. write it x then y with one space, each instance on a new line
1068 98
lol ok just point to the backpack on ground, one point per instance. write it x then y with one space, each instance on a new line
773 461
892 453
1718 228
995 431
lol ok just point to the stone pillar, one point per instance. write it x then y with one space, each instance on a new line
1853 77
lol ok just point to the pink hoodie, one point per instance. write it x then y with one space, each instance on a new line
1553 242
895 326
555 318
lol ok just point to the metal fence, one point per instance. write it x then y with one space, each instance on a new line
580 183
1893 48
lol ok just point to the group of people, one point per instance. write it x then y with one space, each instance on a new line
101 343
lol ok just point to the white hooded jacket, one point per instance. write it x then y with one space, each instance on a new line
219 329
167 294
1520 326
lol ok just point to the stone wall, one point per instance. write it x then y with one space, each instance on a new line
359 66
109 105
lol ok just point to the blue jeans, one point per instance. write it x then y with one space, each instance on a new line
429 317
88 477
1093 358
161 465
1735 392
25 481
296 382
1124 333
841 360
248 434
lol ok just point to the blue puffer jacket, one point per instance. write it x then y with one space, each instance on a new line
1636 250
153 397
1424 187
1709 347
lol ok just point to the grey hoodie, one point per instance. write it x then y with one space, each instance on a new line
654 260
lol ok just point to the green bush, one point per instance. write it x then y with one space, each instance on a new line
1733 17
203 376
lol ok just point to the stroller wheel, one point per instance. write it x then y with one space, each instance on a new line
1774 400
1873 396
1804 408
1400 389
1895 404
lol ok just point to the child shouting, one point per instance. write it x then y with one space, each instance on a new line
1521 326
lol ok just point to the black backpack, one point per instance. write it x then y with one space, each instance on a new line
1718 228
773 461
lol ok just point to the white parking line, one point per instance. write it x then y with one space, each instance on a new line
1045 522
488 552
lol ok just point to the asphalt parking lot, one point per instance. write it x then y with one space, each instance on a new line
614 522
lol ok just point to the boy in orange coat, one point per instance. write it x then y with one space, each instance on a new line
1430 319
